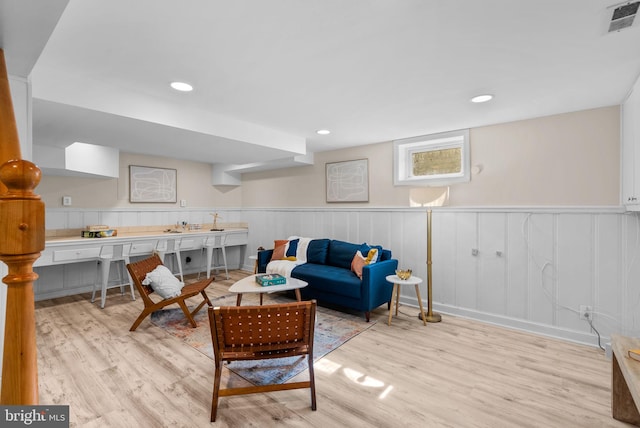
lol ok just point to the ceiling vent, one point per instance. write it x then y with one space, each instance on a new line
623 16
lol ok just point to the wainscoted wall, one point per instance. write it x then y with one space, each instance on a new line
73 218
533 269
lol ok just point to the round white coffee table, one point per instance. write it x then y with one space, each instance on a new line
395 294
249 285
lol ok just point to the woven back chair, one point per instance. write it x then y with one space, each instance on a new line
138 271
261 332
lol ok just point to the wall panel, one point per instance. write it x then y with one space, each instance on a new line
466 240
541 235
492 295
517 265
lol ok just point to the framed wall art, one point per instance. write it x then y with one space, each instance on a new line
348 181
150 184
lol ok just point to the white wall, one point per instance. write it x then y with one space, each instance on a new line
571 159
193 182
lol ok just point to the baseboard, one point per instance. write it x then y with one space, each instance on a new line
512 323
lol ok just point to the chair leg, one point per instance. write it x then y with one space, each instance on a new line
312 382
197 309
187 313
106 265
179 261
216 391
145 313
127 260
224 259
121 266
202 262
95 284
209 257
206 298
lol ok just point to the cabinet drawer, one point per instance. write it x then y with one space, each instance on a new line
75 255
142 248
237 239
188 244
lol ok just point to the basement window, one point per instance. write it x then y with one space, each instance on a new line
432 160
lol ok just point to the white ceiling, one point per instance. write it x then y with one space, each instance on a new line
269 73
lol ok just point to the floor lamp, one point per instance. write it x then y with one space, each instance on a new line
431 316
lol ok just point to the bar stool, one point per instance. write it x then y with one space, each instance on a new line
113 253
169 247
217 244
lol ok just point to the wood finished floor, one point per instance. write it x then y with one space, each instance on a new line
457 373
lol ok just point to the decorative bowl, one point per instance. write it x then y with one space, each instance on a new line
403 274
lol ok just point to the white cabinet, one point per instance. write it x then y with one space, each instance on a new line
630 156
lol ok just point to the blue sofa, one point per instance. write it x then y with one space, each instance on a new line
331 280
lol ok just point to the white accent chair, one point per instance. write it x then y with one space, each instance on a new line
113 253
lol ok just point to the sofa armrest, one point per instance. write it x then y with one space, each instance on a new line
375 288
264 257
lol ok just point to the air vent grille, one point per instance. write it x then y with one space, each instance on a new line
623 16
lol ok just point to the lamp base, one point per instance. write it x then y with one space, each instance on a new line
434 317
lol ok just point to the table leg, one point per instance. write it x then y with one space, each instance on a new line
397 288
424 318
393 296
261 294
239 299
623 408
298 296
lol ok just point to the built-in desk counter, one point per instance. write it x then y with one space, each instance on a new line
68 264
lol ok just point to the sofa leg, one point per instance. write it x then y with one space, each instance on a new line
367 315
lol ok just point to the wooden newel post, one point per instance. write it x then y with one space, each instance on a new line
21 241
21 212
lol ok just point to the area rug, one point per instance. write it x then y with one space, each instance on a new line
332 329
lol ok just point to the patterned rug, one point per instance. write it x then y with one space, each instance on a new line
332 329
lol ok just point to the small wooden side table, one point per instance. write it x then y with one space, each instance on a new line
395 294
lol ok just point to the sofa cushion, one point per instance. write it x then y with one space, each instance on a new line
341 254
329 279
317 251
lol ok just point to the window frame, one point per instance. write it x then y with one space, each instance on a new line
405 148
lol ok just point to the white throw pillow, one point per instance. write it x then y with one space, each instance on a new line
163 282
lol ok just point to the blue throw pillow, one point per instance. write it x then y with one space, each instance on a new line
293 248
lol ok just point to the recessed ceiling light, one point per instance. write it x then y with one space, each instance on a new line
181 86
323 132
481 98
